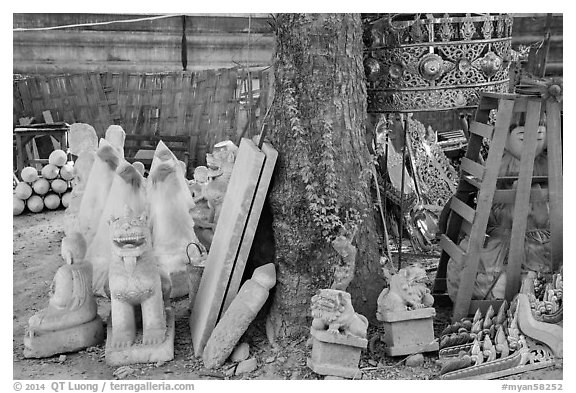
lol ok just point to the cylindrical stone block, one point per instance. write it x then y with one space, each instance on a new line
58 158
67 172
23 191
59 186
50 171
29 174
52 201
41 186
35 204
18 206
238 316
66 199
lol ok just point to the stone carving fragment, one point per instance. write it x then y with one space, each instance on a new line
238 316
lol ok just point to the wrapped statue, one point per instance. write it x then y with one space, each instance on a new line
491 278
174 241
97 187
126 190
82 142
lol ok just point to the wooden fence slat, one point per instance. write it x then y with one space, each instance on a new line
202 104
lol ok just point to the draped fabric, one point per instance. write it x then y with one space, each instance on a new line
169 204
491 278
97 188
126 191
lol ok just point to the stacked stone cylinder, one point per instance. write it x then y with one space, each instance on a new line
50 188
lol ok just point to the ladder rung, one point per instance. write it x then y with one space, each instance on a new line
535 179
481 129
451 249
463 210
472 180
487 103
498 96
472 168
509 196
520 104
451 134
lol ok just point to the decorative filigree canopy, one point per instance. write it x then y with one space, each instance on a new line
428 62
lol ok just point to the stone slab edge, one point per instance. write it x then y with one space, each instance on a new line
271 155
210 296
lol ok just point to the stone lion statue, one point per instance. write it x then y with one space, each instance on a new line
134 280
407 291
332 311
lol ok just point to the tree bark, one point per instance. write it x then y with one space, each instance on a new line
321 186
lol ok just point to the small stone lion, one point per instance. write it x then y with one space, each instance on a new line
407 291
134 280
332 311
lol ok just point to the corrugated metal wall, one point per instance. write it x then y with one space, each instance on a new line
213 42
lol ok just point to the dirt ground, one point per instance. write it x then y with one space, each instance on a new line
36 257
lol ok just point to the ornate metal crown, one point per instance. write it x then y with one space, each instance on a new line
426 62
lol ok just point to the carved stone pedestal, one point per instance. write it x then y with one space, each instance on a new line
48 343
139 353
409 332
335 354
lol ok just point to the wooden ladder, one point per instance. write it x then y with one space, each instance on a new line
477 191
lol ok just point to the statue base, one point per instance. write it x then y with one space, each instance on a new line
49 343
409 332
335 354
139 353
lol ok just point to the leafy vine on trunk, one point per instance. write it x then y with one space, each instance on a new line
320 192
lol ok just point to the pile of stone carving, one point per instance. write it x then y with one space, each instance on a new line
546 296
128 239
492 346
208 188
50 188
133 240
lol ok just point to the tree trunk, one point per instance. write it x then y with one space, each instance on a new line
321 187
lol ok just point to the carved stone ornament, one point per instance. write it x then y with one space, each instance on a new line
427 62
